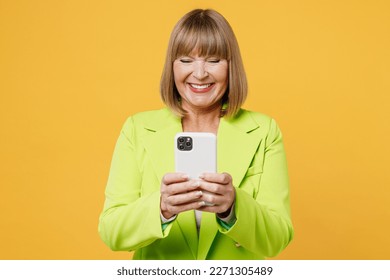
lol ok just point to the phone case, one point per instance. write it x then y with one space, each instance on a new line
198 157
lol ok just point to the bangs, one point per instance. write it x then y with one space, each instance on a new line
202 38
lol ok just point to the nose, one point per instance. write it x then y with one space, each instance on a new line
200 71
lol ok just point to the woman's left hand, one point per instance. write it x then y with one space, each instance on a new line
218 190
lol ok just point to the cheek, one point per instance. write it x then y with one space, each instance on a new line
178 81
224 80
176 72
179 77
223 75
175 78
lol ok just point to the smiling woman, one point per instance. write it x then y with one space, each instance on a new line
207 35
240 212
201 82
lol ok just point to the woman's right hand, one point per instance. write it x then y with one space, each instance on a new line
179 194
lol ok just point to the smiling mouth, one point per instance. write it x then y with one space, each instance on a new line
204 86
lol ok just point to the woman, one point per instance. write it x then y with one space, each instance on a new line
161 214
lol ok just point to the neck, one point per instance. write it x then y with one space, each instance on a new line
202 120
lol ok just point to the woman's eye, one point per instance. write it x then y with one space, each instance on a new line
185 60
214 60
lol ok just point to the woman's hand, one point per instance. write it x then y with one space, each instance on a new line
179 194
219 191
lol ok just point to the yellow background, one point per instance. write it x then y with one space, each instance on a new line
72 71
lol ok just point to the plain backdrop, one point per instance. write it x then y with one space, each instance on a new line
71 72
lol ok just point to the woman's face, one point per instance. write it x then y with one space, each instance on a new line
201 81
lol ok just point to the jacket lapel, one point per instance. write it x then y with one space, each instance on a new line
238 140
159 141
159 144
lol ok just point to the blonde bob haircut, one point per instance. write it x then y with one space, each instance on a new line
207 33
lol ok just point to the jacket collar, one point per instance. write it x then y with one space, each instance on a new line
237 142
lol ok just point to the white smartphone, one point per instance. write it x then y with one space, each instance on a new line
196 153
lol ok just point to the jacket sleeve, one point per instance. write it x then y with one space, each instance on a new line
129 221
263 222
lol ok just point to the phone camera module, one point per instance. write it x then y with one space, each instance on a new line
184 143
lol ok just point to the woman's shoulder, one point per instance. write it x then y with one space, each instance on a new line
257 116
254 120
151 114
153 118
252 116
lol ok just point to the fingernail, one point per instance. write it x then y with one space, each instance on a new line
199 193
184 176
201 176
202 203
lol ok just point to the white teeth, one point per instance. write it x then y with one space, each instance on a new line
200 86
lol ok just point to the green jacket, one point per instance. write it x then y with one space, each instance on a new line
250 149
